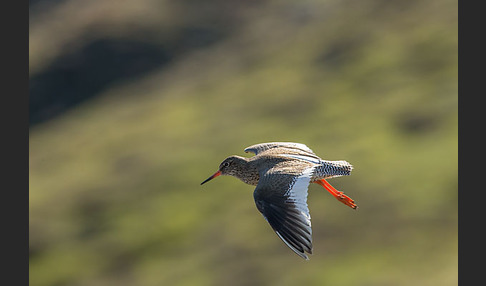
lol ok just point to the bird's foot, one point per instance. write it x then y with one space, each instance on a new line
346 200
340 196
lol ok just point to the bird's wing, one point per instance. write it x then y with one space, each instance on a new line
281 197
258 148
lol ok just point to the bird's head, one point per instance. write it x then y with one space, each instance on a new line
230 166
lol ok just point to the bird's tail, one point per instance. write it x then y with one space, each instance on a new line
331 169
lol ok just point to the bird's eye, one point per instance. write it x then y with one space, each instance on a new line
226 164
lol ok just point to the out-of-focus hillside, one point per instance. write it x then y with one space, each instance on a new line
134 103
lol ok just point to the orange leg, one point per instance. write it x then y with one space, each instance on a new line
337 194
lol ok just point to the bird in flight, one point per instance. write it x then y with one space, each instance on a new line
282 172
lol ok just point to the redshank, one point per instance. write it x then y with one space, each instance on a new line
282 172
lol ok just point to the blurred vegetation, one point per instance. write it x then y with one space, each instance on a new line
134 103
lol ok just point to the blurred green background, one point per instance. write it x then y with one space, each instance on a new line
134 103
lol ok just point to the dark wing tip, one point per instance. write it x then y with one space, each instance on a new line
289 224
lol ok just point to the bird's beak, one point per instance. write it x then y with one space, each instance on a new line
212 177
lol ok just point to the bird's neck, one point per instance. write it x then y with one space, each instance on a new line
247 171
